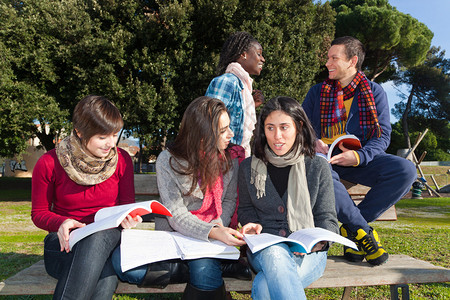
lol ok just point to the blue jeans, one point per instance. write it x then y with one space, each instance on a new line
389 177
204 273
85 272
283 275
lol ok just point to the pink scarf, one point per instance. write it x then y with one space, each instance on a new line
212 203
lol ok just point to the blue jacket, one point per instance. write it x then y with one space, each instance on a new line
371 147
228 88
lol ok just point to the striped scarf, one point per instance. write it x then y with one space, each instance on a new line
333 116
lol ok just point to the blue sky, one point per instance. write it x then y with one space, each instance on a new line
435 15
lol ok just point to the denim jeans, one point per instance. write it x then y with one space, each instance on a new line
283 275
86 272
204 273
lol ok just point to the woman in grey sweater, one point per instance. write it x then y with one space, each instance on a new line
285 187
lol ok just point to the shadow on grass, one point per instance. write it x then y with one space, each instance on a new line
12 262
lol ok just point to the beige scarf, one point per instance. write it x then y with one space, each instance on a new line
248 105
299 212
81 167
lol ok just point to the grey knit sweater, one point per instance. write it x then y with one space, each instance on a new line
270 210
172 187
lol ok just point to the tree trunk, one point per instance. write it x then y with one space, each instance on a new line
140 157
47 140
405 117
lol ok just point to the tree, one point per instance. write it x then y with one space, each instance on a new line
428 102
151 58
392 39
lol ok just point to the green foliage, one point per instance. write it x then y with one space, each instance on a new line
151 58
427 105
392 39
436 146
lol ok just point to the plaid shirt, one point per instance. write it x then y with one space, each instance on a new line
228 88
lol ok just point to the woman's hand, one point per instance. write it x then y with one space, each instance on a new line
227 235
64 230
251 228
258 97
130 222
319 246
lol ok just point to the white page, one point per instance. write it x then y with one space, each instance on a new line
192 248
114 210
311 236
257 242
82 232
140 247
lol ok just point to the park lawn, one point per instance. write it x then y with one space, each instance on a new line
421 231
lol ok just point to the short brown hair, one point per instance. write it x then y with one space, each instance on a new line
95 115
353 47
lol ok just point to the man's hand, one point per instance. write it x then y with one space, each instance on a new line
346 159
321 147
64 230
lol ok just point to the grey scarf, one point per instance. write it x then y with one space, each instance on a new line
299 212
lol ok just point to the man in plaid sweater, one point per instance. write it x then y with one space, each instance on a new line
348 103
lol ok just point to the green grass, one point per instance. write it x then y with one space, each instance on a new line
421 231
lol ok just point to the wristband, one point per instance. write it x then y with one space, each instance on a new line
357 158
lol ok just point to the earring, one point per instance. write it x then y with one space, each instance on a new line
245 56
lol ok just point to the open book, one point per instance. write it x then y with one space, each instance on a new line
301 241
140 247
110 217
349 141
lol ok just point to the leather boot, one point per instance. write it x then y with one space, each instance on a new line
193 293
236 269
160 274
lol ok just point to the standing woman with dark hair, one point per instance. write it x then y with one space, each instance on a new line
241 57
285 187
84 173
197 182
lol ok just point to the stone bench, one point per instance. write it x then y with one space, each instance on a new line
397 272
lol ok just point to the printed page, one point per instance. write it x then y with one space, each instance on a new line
192 248
140 247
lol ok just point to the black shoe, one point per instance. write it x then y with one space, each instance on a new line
236 269
193 293
160 274
370 243
349 253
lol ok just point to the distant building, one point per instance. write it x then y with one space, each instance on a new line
23 166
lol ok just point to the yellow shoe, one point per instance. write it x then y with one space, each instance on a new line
349 253
370 244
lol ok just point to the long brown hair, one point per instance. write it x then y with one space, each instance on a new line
197 143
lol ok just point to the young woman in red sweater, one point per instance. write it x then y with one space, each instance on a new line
84 173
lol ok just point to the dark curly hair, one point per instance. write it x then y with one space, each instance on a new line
234 46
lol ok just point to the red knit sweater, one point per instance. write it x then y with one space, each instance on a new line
55 197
